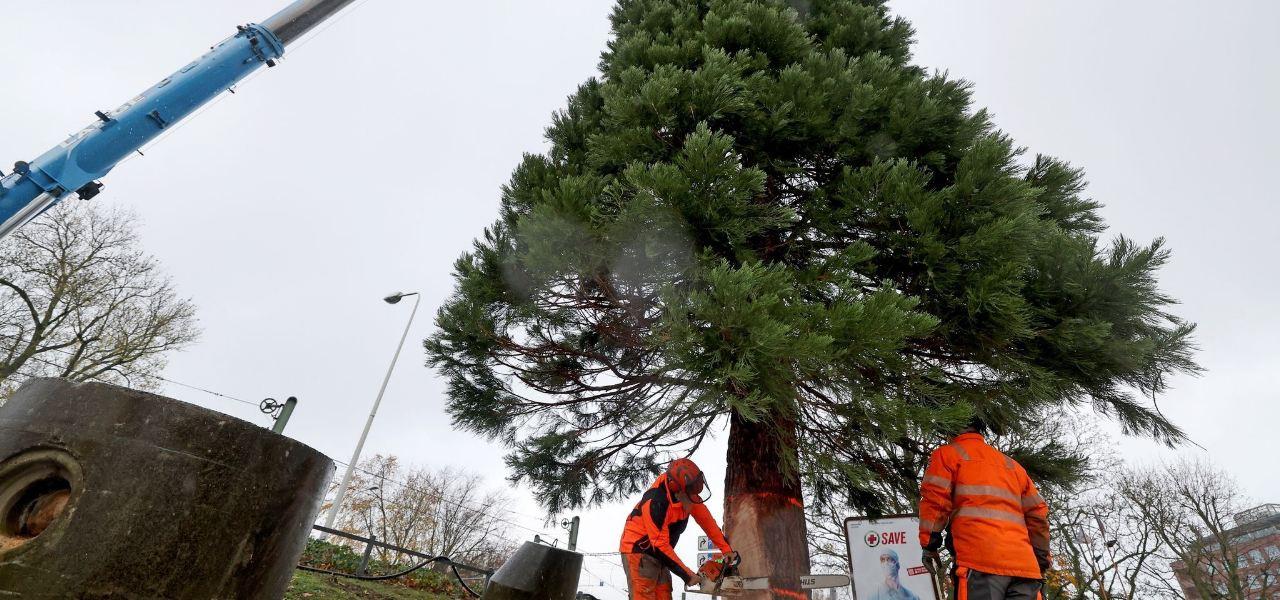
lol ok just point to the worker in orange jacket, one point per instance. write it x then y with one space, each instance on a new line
996 522
654 527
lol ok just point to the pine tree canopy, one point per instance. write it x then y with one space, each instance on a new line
756 212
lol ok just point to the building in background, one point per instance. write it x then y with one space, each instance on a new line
1253 545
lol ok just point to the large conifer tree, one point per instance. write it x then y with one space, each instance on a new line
762 216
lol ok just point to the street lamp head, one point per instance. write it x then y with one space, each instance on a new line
398 296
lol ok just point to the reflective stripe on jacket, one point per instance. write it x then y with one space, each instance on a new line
996 520
655 524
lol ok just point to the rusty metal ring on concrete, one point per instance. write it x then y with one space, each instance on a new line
38 488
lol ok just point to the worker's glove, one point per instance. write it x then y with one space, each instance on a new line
1045 560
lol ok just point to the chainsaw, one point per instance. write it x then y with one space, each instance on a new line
933 564
720 578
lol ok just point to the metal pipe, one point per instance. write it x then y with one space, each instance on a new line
573 533
19 213
364 560
302 16
285 413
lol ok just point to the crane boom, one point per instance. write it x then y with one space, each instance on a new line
76 164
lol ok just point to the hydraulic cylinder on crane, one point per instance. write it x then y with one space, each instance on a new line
77 164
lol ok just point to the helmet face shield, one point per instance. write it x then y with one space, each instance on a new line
698 488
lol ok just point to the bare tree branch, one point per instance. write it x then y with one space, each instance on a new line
80 299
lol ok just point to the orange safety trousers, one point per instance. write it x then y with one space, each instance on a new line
647 579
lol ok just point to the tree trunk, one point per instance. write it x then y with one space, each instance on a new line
763 509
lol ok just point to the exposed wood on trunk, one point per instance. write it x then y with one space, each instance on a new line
764 510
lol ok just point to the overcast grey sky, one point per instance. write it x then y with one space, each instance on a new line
371 157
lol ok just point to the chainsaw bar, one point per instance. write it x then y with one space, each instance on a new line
733 584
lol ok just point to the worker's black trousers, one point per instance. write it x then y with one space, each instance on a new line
976 585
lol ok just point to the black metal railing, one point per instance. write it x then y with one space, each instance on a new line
372 542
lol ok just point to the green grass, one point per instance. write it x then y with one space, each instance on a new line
314 586
423 584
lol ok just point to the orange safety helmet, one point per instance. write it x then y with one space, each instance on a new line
683 475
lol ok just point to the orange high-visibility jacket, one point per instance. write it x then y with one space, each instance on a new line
996 521
655 525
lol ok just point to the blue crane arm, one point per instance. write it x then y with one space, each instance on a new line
76 165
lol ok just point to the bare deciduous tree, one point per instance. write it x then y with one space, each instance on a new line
443 511
80 299
1143 528
1192 508
1102 550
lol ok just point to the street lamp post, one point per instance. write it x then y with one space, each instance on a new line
355 457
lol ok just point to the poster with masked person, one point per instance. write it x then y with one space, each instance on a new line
884 559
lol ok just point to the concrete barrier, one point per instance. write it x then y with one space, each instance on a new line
536 572
107 492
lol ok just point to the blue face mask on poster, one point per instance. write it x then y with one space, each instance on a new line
889 564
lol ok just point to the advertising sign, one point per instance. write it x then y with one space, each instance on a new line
884 559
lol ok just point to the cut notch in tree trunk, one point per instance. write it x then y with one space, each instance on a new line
764 508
